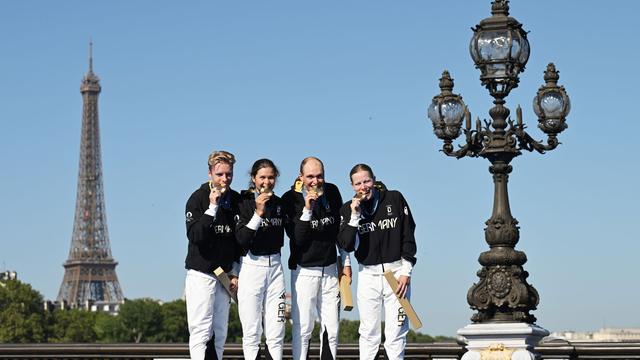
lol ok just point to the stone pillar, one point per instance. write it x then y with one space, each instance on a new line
504 341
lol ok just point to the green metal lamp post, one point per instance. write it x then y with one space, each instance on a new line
502 298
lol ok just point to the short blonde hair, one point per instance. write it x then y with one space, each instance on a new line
221 156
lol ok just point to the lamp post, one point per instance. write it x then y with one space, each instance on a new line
502 325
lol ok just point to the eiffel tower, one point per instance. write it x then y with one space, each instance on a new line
90 271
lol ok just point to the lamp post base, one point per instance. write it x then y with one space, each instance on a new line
506 341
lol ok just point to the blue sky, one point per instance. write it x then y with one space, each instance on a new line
348 82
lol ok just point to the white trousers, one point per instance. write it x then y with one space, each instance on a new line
261 299
207 313
373 293
313 295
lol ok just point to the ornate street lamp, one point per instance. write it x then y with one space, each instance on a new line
502 297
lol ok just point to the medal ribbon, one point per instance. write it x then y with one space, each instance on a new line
374 204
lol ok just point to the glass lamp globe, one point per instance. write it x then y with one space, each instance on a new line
446 110
500 49
551 104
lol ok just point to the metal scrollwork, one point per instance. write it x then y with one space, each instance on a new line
499 282
503 294
502 232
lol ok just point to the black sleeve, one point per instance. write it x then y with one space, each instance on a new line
408 233
302 229
298 231
235 204
287 204
244 235
347 233
199 224
338 201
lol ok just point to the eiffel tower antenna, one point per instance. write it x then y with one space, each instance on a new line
90 55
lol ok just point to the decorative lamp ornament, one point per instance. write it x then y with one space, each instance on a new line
446 110
551 103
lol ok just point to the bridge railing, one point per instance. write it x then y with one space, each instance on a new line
442 351
180 351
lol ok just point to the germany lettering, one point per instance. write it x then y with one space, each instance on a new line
222 229
272 222
380 225
324 222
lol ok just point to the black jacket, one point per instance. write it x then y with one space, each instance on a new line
313 243
269 237
385 236
211 243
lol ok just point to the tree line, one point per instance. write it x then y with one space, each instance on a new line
24 320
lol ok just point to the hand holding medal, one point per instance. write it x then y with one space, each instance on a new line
217 191
264 195
313 194
359 197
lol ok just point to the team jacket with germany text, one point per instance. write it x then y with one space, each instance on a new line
269 237
313 243
385 236
212 243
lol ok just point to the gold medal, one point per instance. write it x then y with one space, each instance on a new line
318 190
221 188
360 196
266 190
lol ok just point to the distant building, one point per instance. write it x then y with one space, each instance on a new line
604 334
88 305
8 275
49 305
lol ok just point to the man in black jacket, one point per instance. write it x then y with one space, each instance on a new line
210 218
312 207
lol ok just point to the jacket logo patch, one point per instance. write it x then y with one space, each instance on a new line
278 210
406 210
389 210
189 216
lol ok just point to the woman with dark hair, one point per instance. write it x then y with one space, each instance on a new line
261 288
377 224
